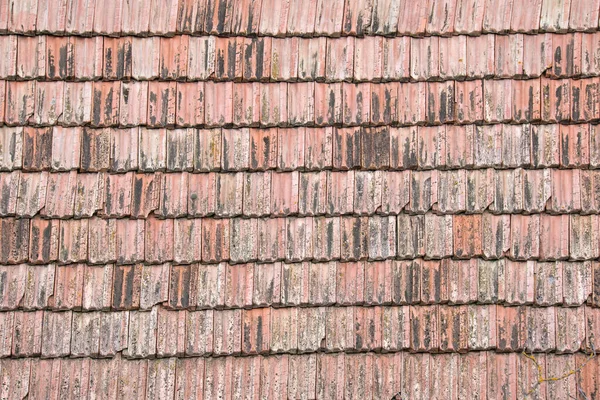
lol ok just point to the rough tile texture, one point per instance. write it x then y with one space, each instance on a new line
332 199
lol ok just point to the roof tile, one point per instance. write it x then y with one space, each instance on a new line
174 195
246 104
13 287
187 246
570 329
243 246
60 195
66 148
212 277
85 334
267 284
207 149
161 377
284 59
117 58
565 200
235 149
171 333
9 183
284 326
162 103
229 58
454 328
154 285
133 108
218 103
326 235
56 334
20 101
463 278
295 283
102 241
124 149
37 151
441 16
130 241
215 240
229 199
105 105
228 332
202 188
174 57
356 105
183 286
541 335
199 338
27 337
118 194
142 334
434 282
114 329
39 286
263 149
311 328
77 107
144 56
14 240
271 239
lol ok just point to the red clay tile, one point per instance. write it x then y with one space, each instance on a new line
246 104
73 245
453 57
463 278
284 326
171 333
95 151
228 194
118 194
424 58
90 194
13 287
101 241
328 103
159 240
312 193
201 53
101 373
567 55
145 57
215 240
35 66
257 194
577 282
37 148
117 58
548 283
469 101
257 58
454 331
509 55
271 239
152 147
174 57
48 112
554 239
554 16
267 284
511 328
130 241
354 238
174 195
180 149
77 107
356 104
488 285
570 329
60 195
516 282
142 334
126 286
162 103
207 150
256 325
411 236
301 110
424 334
350 283
228 58
467 235
574 149
516 145
524 236
411 102
218 378
311 329
565 191
541 337
97 287
498 95
509 191
295 281
88 56
45 377
39 286
434 282
545 145
557 100
290 148
299 239
321 283
236 149
133 371
9 183
190 385
395 63
198 338
416 370
212 277
14 240
8 65
339 64
284 59
56 334
66 148
482 327
105 106
451 191
68 288
584 16
263 149
27 336
85 334
338 331
480 55
589 198
20 100
202 189
382 237
228 332
135 19
368 187
583 241
526 100
187 247
326 238
11 140
243 241
589 64
218 103
133 109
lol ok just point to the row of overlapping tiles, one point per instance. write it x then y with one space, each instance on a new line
277 194
445 147
295 17
236 286
217 104
167 333
373 58
362 376
240 240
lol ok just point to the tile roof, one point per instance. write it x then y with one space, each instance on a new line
358 199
